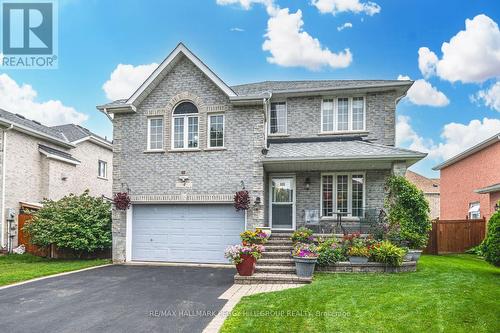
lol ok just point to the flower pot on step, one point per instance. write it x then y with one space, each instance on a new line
358 260
247 266
408 256
415 254
304 267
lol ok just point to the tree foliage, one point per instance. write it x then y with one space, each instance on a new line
491 244
408 213
81 223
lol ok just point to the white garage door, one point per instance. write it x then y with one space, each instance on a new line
184 233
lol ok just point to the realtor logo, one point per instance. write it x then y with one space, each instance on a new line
29 38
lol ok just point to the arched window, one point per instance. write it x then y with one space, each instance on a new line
185 126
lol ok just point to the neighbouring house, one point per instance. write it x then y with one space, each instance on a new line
306 151
430 187
39 161
470 182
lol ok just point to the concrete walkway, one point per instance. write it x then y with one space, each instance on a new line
234 294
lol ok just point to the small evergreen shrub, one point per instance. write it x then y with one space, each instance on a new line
491 244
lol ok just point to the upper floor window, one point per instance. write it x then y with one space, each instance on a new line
216 130
155 133
185 131
102 169
277 118
343 114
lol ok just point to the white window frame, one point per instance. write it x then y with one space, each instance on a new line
286 119
349 117
185 131
162 134
99 169
472 214
209 124
334 194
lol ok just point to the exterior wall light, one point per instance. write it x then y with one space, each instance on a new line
308 183
257 201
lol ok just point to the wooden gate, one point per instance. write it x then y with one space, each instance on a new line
455 236
23 238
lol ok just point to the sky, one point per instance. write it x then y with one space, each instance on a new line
451 48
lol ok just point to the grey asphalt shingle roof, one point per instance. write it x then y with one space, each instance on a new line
75 132
31 124
57 152
352 149
276 86
115 103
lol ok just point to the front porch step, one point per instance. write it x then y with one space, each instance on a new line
276 254
276 262
278 248
274 269
274 241
281 235
271 278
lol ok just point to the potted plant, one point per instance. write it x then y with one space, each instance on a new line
358 254
250 237
244 257
302 235
305 257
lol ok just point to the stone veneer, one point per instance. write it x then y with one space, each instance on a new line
369 267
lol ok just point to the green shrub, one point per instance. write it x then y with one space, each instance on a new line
491 244
330 252
408 213
303 235
387 253
80 223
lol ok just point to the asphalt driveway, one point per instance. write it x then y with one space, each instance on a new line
117 299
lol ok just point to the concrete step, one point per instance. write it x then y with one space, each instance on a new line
274 269
276 254
270 278
281 235
276 262
274 241
278 248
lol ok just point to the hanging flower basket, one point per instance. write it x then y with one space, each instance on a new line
241 200
121 200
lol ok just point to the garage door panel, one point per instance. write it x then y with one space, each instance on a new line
184 233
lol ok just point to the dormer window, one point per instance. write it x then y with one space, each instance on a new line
185 126
342 114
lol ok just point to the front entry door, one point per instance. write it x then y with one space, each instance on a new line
282 210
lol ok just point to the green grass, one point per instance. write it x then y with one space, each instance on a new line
16 268
455 293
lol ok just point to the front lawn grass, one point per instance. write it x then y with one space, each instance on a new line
453 293
21 267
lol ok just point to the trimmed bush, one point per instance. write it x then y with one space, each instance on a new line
80 223
408 213
491 244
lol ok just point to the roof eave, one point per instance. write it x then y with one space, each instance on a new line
35 133
408 158
58 158
98 141
488 189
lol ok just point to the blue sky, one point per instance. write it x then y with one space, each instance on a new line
383 42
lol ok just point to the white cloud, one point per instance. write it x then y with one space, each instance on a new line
236 29
344 26
125 79
290 45
338 6
455 137
22 99
490 97
472 55
427 61
247 4
423 93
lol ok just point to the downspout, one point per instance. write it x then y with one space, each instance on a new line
4 164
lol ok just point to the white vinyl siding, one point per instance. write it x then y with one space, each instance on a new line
343 114
155 133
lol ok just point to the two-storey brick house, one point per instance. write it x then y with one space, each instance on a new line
307 151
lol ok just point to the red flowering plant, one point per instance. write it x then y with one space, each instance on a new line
241 200
121 200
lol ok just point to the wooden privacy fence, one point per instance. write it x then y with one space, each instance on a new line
23 238
455 236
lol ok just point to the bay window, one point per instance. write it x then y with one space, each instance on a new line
343 114
343 193
185 131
